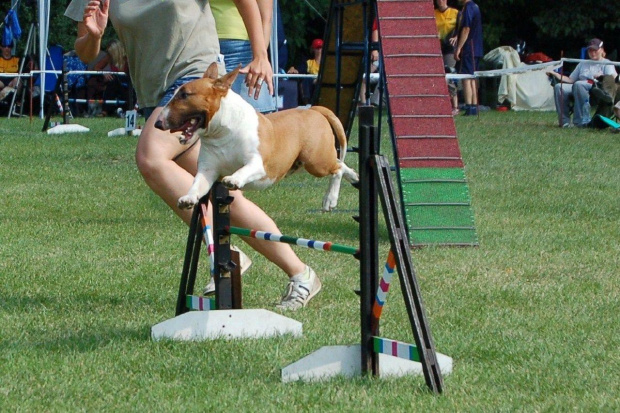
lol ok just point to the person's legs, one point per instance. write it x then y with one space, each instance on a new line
581 110
467 65
561 94
168 169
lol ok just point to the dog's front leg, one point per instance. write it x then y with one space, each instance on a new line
202 184
250 172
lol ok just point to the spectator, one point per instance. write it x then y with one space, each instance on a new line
236 48
107 86
374 66
468 51
446 18
578 85
310 66
8 64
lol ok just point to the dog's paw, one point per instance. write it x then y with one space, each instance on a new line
329 203
231 183
187 202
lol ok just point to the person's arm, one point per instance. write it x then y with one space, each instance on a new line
560 78
259 69
265 7
91 29
463 35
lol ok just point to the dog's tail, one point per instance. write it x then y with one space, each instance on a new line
336 127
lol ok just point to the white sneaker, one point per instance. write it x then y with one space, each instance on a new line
244 261
298 293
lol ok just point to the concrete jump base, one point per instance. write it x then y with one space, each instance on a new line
227 324
331 361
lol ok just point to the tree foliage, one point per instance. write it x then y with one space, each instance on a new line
546 25
550 26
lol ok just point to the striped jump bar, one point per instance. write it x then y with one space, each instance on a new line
195 302
302 242
207 235
395 348
382 290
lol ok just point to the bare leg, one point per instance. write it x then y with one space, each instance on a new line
169 172
468 91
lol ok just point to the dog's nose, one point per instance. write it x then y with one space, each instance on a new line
159 124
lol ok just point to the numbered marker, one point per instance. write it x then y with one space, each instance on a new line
130 120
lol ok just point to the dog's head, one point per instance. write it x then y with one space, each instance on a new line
195 103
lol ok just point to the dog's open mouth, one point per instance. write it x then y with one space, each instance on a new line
188 128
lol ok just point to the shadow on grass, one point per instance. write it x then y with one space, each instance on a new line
81 322
81 340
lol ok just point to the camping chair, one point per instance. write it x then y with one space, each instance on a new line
604 94
53 62
76 83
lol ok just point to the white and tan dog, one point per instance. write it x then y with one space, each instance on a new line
248 150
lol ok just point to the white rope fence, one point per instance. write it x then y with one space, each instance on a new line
480 73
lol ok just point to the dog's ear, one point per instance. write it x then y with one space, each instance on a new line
212 72
229 78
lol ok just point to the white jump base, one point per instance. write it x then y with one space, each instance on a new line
226 324
70 128
330 361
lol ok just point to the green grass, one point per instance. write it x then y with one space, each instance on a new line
90 259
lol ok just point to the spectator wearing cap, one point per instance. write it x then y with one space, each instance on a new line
578 85
8 64
310 66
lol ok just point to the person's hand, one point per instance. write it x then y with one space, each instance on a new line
95 17
374 55
292 71
452 41
457 54
258 74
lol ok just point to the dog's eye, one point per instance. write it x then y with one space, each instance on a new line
183 94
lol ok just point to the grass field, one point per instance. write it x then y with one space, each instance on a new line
90 259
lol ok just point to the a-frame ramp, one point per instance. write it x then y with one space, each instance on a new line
434 190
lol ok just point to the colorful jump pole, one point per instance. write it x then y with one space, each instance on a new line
382 290
302 242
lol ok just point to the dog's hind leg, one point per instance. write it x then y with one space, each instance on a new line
349 174
330 200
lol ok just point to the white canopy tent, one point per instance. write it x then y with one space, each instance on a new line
44 22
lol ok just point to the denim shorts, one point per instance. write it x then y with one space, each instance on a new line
239 52
168 95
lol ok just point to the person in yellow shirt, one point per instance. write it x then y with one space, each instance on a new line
8 64
311 67
446 17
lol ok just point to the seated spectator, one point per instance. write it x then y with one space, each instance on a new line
108 86
578 86
76 83
8 64
374 68
310 66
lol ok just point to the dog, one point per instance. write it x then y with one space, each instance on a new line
249 150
